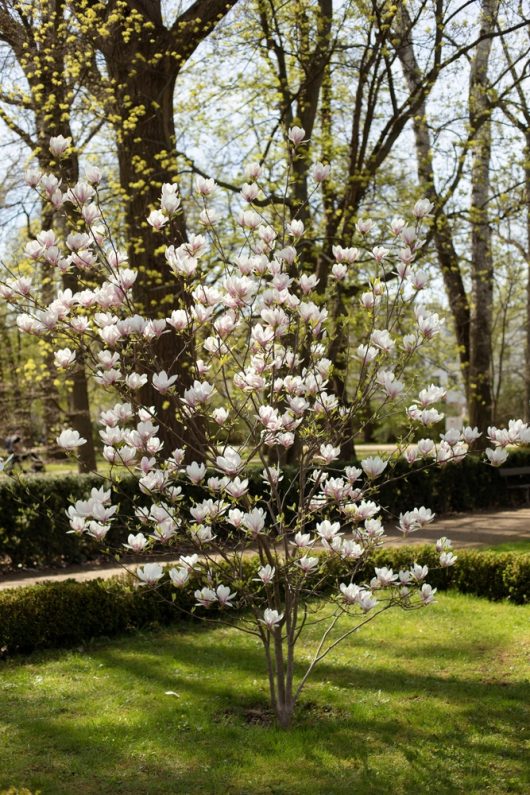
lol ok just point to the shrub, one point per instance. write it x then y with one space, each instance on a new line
56 615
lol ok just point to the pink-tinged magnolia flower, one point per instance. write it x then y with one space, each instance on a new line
419 572
230 462
367 601
302 540
179 577
196 472
447 559
384 577
497 456
157 219
266 574
328 453
136 543
364 225
224 597
422 208
397 225
296 135
249 219
70 440
427 594
373 466
93 175
198 394
169 200
469 435
32 177
237 488
162 382
271 618
443 544
136 381
254 521
253 171
308 564
220 416
350 593
204 186
339 271
205 597
328 530
249 191
64 358
296 228
411 454
178 320
367 353
59 145
150 574
451 437
189 561
430 395
321 172
348 550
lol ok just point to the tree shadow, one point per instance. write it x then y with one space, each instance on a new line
387 711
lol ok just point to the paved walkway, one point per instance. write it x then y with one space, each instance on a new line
465 530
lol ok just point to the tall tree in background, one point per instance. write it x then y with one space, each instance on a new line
38 37
143 59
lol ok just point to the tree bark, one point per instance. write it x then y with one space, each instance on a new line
480 365
527 329
442 234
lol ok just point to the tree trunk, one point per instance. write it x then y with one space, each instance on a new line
442 234
45 64
480 365
527 342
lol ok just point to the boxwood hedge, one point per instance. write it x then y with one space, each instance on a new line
56 615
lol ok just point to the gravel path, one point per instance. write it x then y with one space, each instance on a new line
465 530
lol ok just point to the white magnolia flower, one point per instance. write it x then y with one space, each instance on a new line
447 559
427 594
150 574
64 358
266 574
70 440
373 466
179 577
224 597
136 543
271 618
230 462
496 456
205 597
162 381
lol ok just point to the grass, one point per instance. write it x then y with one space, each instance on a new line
511 546
435 701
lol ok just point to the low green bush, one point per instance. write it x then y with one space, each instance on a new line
56 615
33 524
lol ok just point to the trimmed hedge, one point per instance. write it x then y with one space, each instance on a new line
33 525
56 615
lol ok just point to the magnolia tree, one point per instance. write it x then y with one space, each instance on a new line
259 330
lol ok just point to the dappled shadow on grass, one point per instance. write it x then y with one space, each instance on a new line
140 740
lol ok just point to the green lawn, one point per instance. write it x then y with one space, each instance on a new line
511 546
435 701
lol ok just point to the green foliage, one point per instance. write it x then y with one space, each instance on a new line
33 524
66 613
